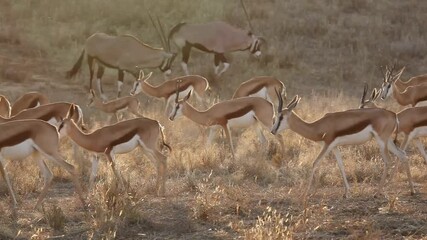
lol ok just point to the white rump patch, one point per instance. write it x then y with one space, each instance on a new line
421 104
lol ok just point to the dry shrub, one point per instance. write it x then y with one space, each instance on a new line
115 208
271 225
208 200
55 217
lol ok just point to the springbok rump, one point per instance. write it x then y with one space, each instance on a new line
125 53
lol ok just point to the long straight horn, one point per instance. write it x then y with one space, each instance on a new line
365 90
280 105
162 31
247 15
157 30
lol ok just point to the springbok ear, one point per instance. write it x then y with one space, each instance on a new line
373 94
378 93
293 103
70 111
398 74
148 76
141 74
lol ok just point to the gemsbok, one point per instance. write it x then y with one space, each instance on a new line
261 86
125 53
119 138
20 139
4 107
412 122
415 95
167 90
217 38
236 113
349 127
128 103
28 100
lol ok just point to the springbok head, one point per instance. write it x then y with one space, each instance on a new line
369 103
282 115
388 79
137 85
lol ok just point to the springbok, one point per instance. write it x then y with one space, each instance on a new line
125 53
167 90
415 95
28 100
20 139
118 138
216 37
349 127
129 103
236 113
262 86
4 107
52 113
413 81
412 122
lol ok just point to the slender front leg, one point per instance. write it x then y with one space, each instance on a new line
404 159
228 136
219 57
338 157
47 176
6 179
110 156
99 75
93 171
325 150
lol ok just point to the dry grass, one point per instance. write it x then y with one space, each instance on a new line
323 51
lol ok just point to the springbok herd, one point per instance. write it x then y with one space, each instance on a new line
33 126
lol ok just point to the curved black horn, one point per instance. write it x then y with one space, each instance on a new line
247 15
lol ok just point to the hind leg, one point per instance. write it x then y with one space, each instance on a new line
185 56
47 176
120 82
6 179
90 64
99 75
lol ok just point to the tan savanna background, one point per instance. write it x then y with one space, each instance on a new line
322 50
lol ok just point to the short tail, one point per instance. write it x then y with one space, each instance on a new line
163 143
76 66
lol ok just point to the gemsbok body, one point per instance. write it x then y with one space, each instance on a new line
412 122
28 100
128 103
261 86
415 95
125 53
119 138
20 139
236 113
167 90
216 37
349 127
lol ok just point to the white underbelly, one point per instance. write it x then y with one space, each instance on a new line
421 104
356 138
19 151
126 146
54 122
262 93
244 121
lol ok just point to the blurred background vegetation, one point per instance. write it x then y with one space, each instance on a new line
312 45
